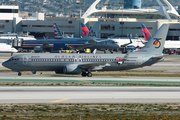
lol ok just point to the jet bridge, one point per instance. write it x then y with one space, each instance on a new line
17 43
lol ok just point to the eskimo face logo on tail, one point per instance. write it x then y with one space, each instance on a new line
157 42
91 34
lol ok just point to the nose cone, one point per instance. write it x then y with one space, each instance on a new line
14 50
5 64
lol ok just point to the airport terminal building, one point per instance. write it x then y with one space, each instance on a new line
119 23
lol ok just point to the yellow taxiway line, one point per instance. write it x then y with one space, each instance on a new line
59 100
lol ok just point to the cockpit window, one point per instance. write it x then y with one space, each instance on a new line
13 59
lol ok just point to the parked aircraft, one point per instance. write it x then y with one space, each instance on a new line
86 63
4 48
7 38
75 43
123 42
101 44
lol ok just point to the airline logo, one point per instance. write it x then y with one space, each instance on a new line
157 42
146 33
91 34
57 32
85 30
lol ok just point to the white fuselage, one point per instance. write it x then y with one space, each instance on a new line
172 44
8 39
4 48
135 42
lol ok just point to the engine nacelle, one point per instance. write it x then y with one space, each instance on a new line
38 49
131 47
71 69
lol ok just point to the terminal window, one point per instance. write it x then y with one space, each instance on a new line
107 27
8 10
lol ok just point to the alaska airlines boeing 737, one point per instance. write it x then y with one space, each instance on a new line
86 63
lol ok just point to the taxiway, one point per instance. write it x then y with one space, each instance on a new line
89 95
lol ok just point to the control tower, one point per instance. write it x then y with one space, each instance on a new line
132 4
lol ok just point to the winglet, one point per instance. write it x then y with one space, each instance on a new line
57 32
94 51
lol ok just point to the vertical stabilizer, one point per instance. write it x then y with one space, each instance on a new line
93 32
57 32
146 33
156 44
85 30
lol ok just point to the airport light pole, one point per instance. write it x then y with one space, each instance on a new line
13 11
79 2
122 23
106 4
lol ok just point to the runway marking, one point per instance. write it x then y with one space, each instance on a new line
60 100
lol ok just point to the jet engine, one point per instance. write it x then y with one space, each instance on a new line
71 69
38 49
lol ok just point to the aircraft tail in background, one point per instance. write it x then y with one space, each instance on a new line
85 30
146 33
57 32
156 43
92 34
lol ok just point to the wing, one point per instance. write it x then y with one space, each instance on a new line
124 45
95 66
82 46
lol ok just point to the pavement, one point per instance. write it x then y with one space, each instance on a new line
51 95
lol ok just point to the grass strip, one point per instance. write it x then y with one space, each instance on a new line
90 111
92 83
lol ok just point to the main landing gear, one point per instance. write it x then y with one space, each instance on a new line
84 74
33 72
19 73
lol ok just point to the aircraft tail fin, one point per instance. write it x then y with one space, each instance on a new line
156 44
146 33
57 32
85 30
93 32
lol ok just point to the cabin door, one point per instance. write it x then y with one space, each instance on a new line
25 60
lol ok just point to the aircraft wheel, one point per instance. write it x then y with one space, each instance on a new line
33 72
19 73
83 74
111 51
89 74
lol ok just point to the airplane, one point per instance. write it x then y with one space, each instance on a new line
4 48
74 43
105 43
7 38
123 42
101 44
84 64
